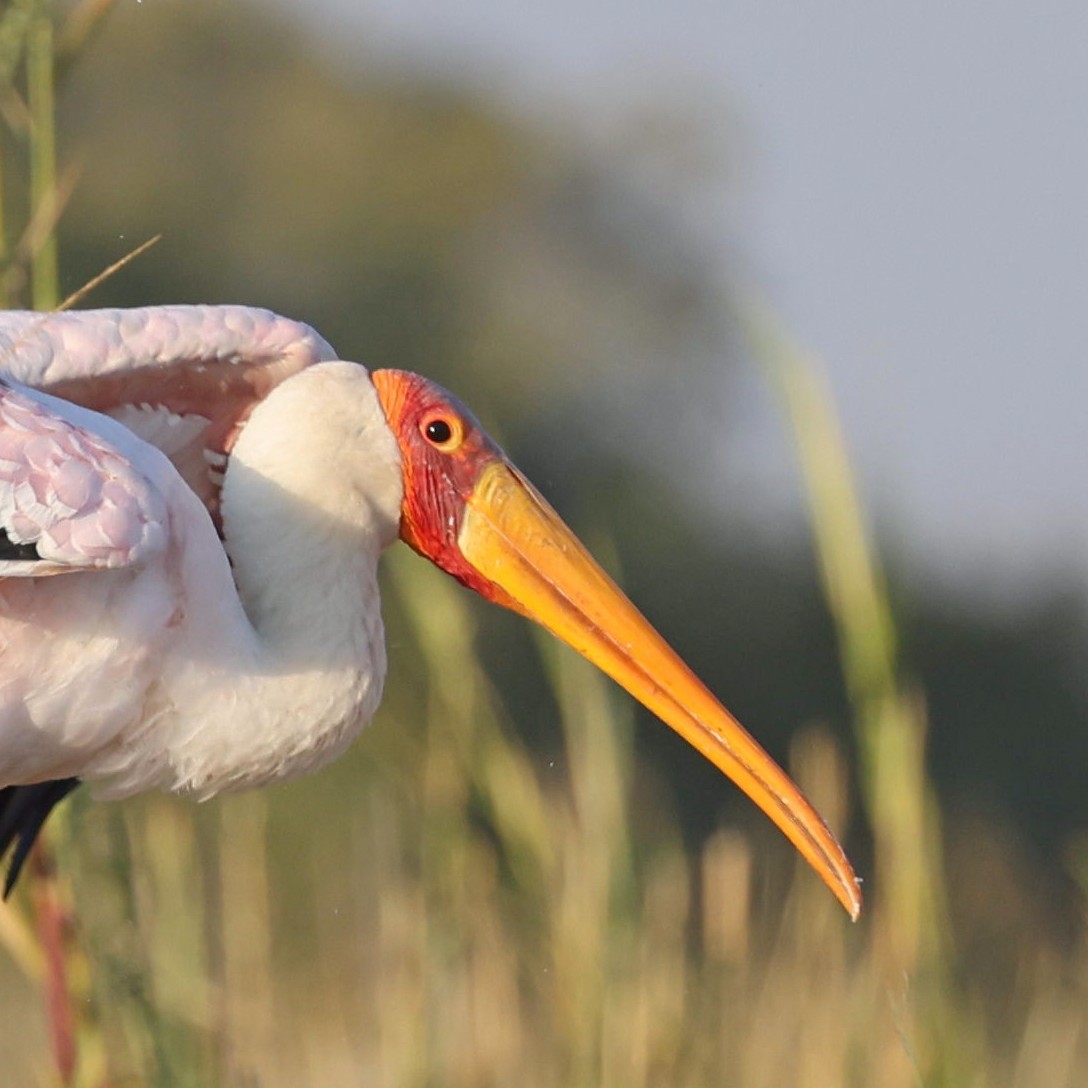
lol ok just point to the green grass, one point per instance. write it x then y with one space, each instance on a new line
442 908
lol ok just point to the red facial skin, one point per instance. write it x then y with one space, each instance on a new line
439 476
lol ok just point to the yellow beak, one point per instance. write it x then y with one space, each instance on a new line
513 538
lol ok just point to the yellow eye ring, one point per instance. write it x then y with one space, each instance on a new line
443 432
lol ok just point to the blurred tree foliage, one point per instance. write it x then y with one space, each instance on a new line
408 221
418 226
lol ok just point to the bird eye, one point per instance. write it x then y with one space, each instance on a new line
439 431
443 433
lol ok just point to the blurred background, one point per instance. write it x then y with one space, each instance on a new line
783 309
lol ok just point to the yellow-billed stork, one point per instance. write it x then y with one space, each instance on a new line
193 502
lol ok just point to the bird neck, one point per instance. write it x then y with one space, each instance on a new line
311 497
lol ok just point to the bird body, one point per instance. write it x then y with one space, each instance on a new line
182 660
193 503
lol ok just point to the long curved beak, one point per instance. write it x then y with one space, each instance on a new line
514 539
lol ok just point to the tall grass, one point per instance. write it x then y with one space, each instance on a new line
478 917
29 276
445 908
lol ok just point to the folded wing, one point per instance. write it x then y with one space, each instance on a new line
69 499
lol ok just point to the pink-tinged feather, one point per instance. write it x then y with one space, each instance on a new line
65 490
76 485
43 350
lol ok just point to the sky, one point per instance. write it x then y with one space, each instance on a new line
913 202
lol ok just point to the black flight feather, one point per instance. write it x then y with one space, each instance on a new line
10 550
23 810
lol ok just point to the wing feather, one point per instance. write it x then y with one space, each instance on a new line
182 378
43 350
69 499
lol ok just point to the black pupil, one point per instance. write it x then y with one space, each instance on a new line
439 431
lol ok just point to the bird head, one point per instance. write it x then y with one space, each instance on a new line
471 512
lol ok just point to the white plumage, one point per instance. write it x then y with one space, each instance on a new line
166 656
